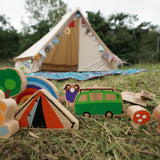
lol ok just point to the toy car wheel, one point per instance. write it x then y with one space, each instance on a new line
86 114
109 114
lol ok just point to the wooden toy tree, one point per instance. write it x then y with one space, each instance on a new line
156 116
139 116
12 81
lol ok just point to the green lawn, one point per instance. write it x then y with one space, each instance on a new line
98 137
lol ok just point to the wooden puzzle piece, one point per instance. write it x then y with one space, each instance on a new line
42 110
156 116
134 98
140 117
12 81
71 91
102 101
33 85
8 125
148 95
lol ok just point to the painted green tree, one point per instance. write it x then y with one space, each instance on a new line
10 82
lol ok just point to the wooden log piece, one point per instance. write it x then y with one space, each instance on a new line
156 116
148 95
139 116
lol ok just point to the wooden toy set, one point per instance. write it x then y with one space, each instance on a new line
34 102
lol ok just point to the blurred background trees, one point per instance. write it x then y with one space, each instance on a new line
129 39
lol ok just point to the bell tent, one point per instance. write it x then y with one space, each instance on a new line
72 45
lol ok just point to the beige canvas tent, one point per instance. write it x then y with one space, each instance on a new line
72 45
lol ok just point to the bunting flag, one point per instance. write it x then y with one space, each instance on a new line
37 56
101 48
67 31
83 23
72 24
78 15
94 38
104 55
42 52
47 49
55 41
27 64
90 34
110 58
115 59
51 45
97 42
87 31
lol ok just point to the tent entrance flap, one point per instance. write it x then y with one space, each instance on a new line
63 56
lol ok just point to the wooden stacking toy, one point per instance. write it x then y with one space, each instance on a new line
42 110
8 125
139 116
71 91
156 116
12 81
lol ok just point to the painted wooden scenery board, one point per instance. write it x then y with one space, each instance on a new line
34 84
42 110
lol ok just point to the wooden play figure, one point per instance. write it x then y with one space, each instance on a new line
8 125
42 110
140 117
71 91
156 116
12 81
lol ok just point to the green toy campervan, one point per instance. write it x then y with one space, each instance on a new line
99 101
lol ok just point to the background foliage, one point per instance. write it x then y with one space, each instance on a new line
129 39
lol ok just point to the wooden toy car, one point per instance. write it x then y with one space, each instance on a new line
99 101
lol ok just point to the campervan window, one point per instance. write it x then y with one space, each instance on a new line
110 97
96 96
83 98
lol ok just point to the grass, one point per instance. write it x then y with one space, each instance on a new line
98 138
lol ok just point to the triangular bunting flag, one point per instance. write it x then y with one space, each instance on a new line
110 58
104 55
115 59
67 31
87 31
90 34
55 41
47 49
101 48
83 23
42 52
72 24
27 64
51 45
94 38
78 15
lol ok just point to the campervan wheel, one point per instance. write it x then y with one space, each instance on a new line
109 114
86 115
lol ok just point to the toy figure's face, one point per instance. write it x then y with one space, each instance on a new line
72 89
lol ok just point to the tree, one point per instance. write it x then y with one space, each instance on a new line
9 39
10 82
51 10
132 43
